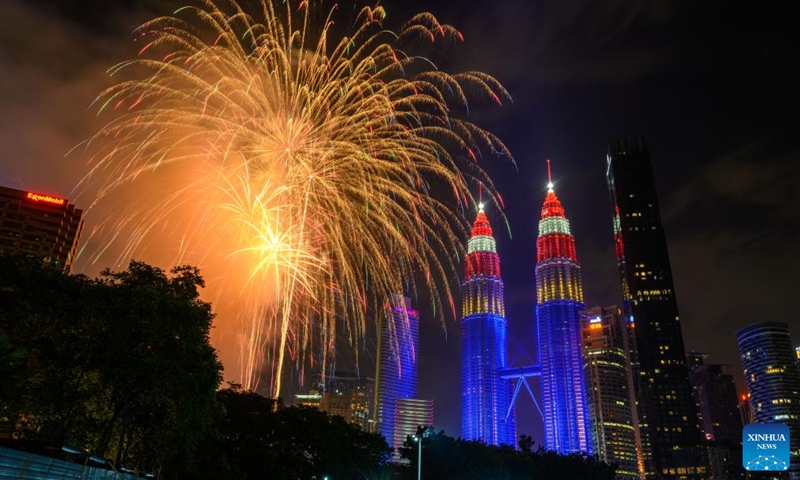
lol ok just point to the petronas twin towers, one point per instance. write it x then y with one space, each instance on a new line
486 412
487 401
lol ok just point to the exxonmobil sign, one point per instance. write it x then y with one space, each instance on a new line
42 198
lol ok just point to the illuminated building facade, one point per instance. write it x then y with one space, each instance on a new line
773 380
486 412
718 403
559 293
667 414
396 371
610 398
311 399
39 225
351 397
410 414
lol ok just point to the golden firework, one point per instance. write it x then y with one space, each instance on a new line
310 177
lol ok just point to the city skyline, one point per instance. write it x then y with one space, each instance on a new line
722 156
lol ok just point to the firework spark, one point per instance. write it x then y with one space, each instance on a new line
311 176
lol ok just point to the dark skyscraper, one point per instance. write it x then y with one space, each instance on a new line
772 377
486 412
667 413
39 225
715 392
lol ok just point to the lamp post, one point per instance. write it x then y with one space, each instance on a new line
426 431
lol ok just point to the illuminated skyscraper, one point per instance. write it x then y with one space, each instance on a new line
410 414
610 398
773 380
667 413
39 225
485 396
348 395
396 372
559 293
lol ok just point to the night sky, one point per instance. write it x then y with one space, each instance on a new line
712 87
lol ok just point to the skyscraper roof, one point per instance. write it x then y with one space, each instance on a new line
481 225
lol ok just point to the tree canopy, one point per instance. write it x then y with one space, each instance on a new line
120 366
260 438
447 458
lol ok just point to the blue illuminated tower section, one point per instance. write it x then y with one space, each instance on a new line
397 367
559 293
485 397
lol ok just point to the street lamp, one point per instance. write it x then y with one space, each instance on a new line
426 431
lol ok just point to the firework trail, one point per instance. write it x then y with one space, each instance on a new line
310 177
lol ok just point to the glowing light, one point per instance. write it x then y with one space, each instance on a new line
294 168
39 197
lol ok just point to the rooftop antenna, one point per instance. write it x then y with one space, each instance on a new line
549 178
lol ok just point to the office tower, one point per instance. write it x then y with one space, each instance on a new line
773 379
396 371
350 396
39 225
362 404
410 414
311 399
715 394
667 414
486 412
609 393
559 293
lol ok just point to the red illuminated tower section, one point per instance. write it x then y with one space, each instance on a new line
483 263
486 397
559 293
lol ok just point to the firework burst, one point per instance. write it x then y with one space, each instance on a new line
309 177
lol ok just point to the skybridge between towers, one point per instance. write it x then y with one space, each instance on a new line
521 375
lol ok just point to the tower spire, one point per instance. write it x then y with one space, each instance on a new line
549 178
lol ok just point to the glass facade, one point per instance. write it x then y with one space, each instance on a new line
559 293
396 376
667 413
410 414
486 412
773 380
609 386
